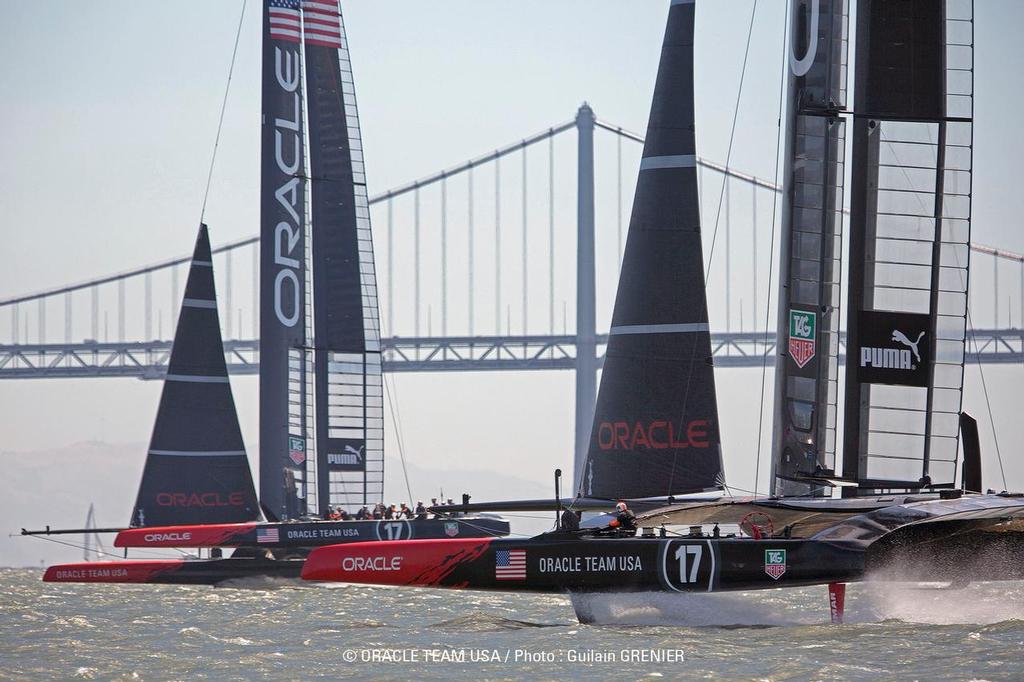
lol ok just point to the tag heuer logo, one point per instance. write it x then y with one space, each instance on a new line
775 562
801 336
451 528
297 450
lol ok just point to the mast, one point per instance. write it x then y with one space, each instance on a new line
910 230
283 365
655 427
196 469
349 397
807 366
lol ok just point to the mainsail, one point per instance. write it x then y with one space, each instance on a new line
196 470
284 399
348 381
655 427
321 389
909 245
807 366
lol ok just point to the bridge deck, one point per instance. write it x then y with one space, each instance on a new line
148 360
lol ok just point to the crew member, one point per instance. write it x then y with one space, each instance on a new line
570 520
624 519
405 511
421 511
334 514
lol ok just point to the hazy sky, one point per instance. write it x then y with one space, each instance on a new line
108 119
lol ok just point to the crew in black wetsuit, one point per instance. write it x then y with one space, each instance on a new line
624 521
421 511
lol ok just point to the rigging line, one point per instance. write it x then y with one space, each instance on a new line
495 533
732 137
771 253
110 554
721 196
223 108
397 422
988 402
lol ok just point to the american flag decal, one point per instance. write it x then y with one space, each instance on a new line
321 23
267 535
510 564
284 19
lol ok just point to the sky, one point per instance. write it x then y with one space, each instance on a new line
110 113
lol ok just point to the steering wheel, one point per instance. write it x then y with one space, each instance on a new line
757 525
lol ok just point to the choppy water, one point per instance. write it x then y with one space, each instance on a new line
298 632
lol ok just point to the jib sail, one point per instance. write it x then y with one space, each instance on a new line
807 365
347 365
196 470
909 247
285 363
655 427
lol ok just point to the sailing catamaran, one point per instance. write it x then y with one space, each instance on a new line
321 384
655 434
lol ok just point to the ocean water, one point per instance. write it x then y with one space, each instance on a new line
292 631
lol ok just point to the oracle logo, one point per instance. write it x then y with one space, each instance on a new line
287 233
657 434
374 563
235 499
167 537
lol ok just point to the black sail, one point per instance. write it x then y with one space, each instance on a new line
196 470
284 364
347 368
910 222
810 264
655 427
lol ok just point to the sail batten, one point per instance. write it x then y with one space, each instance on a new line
655 429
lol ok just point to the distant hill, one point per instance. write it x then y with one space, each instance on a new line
55 487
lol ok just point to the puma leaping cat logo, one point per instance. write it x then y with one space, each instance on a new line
352 451
900 337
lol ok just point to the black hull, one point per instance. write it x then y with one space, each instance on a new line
563 563
277 536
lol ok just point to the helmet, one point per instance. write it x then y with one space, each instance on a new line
621 506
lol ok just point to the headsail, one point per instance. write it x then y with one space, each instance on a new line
807 366
910 231
655 427
348 381
285 400
197 470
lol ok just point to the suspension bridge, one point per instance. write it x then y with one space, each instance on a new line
475 266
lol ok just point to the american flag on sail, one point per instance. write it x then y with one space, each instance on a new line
284 19
267 535
321 23
510 564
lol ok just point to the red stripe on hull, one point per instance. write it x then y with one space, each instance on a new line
111 571
408 562
202 535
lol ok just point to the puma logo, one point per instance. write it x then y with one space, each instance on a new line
900 337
